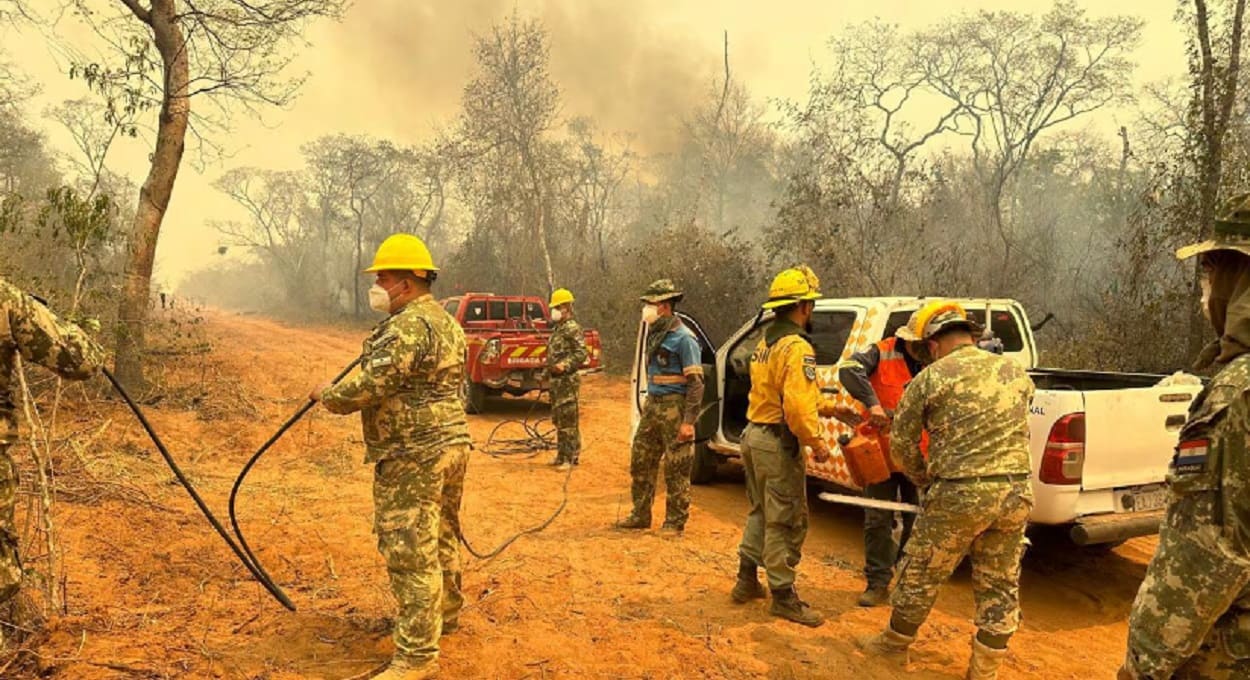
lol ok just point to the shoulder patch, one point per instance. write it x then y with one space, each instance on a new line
380 362
385 338
809 372
809 360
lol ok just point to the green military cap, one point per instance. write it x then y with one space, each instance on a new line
661 291
1231 230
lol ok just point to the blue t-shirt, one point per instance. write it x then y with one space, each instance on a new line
666 371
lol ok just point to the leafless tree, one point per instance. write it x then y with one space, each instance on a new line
879 76
93 136
1018 76
510 105
164 54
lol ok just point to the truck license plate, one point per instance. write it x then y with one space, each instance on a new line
1142 498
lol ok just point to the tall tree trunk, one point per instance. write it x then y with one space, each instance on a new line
540 218
155 194
1217 92
360 265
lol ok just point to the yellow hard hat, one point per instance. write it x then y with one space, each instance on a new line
793 285
931 318
402 252
561 296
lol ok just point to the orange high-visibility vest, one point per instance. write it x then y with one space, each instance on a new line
889 381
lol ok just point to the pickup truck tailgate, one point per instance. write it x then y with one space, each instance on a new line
1131 433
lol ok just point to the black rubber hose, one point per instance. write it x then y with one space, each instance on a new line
238 482
532 530
255 569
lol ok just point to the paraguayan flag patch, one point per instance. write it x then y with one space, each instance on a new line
1191 456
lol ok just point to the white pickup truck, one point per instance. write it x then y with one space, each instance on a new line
1101 442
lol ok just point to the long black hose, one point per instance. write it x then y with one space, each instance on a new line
568 475
238 482
254 568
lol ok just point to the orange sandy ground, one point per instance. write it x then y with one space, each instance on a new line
153 593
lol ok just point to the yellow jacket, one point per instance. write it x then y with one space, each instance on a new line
783 383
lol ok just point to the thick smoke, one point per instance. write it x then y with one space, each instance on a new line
613 65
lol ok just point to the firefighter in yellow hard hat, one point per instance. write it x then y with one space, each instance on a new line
417 439
566 353
783 413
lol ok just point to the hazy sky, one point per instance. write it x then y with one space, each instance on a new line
395 69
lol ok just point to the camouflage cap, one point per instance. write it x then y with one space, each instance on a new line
946 320
661 291
905 332
1231 230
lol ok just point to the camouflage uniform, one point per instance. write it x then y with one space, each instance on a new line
1191 618
567 349
417 436
656 439
975 407
29 329
674 393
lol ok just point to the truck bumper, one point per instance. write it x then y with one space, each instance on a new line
1114 527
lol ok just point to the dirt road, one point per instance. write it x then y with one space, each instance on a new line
154 594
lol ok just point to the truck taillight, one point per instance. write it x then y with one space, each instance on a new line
1064 457
490 352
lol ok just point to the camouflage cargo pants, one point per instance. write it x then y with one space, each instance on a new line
564 415
417 519
10 564
656 440
1191 617
985 520
776 481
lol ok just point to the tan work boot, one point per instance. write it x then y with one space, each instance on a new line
985 661
787 605
888 644
633 522
748 586
450 627
400 669
874 597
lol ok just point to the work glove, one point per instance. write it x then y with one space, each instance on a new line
879 418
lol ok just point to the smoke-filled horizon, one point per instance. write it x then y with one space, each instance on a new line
395 70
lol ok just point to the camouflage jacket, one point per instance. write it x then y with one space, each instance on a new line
567 347
31 330
408 387
975 407
1209 478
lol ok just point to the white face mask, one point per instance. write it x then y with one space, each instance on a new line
379 299
650 314
557 315
1205 281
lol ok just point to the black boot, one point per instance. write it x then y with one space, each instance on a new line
748 586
